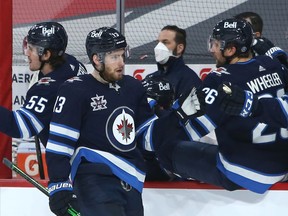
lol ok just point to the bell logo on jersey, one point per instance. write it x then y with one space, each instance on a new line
98 103
230 25
120 129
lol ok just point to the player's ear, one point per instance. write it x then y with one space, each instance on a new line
257 34
46 55
95 59
180 48
230 51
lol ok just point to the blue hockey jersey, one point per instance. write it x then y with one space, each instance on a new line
99 123
35 115
273 111
252 154
179 75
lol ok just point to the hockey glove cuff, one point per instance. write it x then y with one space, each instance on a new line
62 201
152 102
236 101
187 105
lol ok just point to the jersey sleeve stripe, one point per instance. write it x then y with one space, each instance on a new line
38 126
22 125
148 144
59 148
207 124
146 124
199 127
64 131
192 132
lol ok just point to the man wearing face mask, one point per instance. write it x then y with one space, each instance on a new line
169 57
171 67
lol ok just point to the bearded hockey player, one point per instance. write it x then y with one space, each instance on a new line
249 154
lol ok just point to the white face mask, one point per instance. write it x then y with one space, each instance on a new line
162 53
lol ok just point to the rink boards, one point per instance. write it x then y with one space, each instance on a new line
18 197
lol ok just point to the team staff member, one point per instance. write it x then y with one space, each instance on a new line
169 57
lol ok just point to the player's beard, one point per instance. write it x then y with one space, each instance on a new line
113 74
220 61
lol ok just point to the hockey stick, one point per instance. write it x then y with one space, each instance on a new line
39 158
44 190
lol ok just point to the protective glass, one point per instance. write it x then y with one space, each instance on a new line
37 50
114 56
213 44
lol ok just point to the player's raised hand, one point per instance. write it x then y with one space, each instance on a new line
236 101
189 104
263 46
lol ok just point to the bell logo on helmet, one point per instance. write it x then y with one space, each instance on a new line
95 34
48 32
230 25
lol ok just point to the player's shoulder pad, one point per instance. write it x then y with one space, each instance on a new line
45 81
219 71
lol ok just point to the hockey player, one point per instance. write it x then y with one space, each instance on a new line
97 119
262 45
45 49
272 111
249 154
169 57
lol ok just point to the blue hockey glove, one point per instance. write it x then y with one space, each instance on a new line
62 200
263 46
189 105
236 101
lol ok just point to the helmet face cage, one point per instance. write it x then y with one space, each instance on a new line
104 40
48 35
160 89
239 33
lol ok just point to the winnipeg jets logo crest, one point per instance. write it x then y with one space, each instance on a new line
125 128
98 103
120 129
45 81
